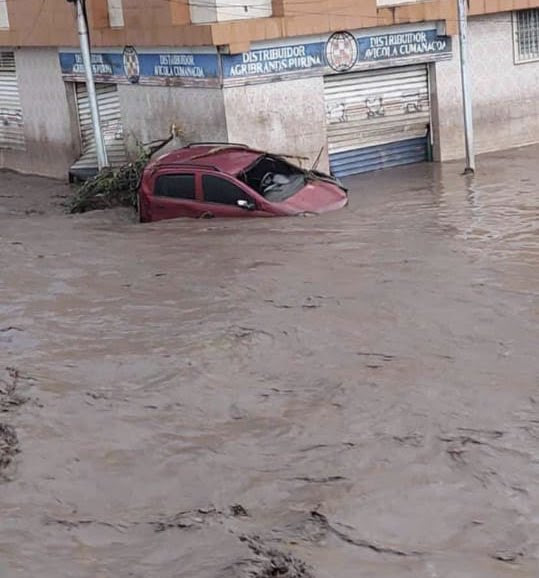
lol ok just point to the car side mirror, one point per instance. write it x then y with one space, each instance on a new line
245 204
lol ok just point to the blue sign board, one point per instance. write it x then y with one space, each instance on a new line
133 66
102 64
277 60
341 52
402 45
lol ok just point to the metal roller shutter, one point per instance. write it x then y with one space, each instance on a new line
377 119
111 125
11 123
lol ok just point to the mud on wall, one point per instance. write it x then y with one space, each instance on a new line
149 111
285 117
51 138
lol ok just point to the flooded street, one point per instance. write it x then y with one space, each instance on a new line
348 396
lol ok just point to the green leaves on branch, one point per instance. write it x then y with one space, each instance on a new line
116 187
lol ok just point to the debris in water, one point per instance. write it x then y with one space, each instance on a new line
237 510
507 556
9 398
323 522
270 562
190 519
323 480
9 445
113 188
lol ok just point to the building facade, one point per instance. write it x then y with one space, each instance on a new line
365 85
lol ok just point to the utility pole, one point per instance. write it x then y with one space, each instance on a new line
102 160
466 95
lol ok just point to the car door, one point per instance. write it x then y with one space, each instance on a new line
175 194
224 197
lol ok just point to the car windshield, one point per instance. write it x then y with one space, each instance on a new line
274 179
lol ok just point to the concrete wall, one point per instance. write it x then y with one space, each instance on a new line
234 10
448 124
202 12
283 117
505 95
149 111
51 136
222 10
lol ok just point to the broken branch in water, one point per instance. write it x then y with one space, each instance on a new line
117 187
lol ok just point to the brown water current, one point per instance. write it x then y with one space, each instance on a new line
354 395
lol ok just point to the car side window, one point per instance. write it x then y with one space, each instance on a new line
175 186
222 191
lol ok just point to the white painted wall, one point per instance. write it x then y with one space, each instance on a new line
395 2
285 117
50 133
149 111
222 10
203 11
505 94
116 13
4 16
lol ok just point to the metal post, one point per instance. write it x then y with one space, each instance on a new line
102 160
466 96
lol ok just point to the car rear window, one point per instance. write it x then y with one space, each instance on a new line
179 186
218 190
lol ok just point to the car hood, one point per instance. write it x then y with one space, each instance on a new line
316 197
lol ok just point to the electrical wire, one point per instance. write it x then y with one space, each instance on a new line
203 4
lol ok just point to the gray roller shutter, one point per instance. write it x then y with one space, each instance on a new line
11 123
377 118
111 125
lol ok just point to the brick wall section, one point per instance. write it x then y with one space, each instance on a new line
162 23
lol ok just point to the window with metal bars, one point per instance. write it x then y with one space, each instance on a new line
526 30
11 122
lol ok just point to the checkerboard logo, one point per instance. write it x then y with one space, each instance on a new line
341 51
131 64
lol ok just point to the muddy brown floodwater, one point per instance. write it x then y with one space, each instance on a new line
347 396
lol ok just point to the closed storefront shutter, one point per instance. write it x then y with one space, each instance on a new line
111 125
11 123
377 118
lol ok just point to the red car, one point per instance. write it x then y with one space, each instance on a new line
228 180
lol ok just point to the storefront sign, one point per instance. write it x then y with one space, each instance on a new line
278 60
132 66
341 52
402 45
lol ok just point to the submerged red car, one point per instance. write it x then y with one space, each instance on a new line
229 180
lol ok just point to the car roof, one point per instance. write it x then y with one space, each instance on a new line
227 158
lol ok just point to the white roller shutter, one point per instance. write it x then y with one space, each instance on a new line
377 118
111 125
11 124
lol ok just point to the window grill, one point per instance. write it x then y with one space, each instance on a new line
526 24
7 61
